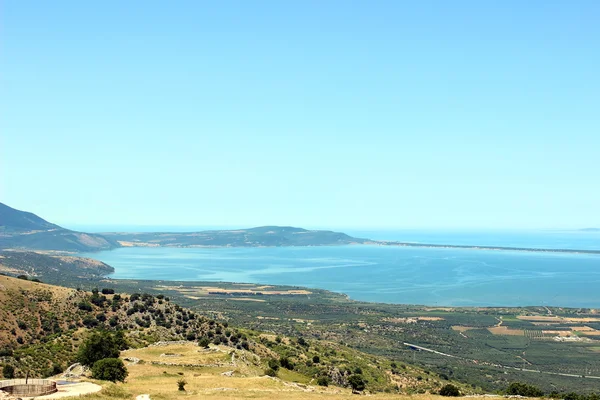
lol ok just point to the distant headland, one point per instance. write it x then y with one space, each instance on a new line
27 231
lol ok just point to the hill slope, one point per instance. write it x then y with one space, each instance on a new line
54 269
42 326
17 220
24 230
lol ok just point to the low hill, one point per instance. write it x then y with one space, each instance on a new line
42 326
55 269
24 230
268 236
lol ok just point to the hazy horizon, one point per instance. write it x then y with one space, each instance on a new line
99 228
395 115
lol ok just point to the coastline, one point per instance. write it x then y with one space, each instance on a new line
369 243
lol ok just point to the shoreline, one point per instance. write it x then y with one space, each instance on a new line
382 243
476 247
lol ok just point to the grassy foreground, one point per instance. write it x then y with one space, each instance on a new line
161 367
151 380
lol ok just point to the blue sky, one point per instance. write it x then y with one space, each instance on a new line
395 114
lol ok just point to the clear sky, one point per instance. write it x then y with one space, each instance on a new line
396 114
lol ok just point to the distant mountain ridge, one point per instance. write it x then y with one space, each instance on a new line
14 219
25 230
264 236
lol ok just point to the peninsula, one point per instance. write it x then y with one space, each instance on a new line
26 231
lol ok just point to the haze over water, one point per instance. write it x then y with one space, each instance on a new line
404 275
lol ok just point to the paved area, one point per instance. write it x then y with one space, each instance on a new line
73 389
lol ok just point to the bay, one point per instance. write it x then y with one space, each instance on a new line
403 275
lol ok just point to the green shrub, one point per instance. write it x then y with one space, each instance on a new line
109 369
270 372
323 381
523 389
274 364
181 384
6 352
449 390
8 371
286 363
357 383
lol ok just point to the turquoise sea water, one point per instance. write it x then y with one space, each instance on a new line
430 276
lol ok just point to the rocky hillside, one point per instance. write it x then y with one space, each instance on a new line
41 327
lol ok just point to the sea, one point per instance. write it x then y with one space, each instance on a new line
400 275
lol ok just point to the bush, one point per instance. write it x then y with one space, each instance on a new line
204 342
108 291
357 383
449 390
274 364
54 370
323 381
181 384
523 389
286 363
6 352
90 322
316 359
109 369
8 371
270 372
85 306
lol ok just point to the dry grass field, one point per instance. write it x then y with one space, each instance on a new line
239 376
503 330
245 289
553 318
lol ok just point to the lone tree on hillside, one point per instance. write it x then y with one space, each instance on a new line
98 346
449 390
357 383
109 369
